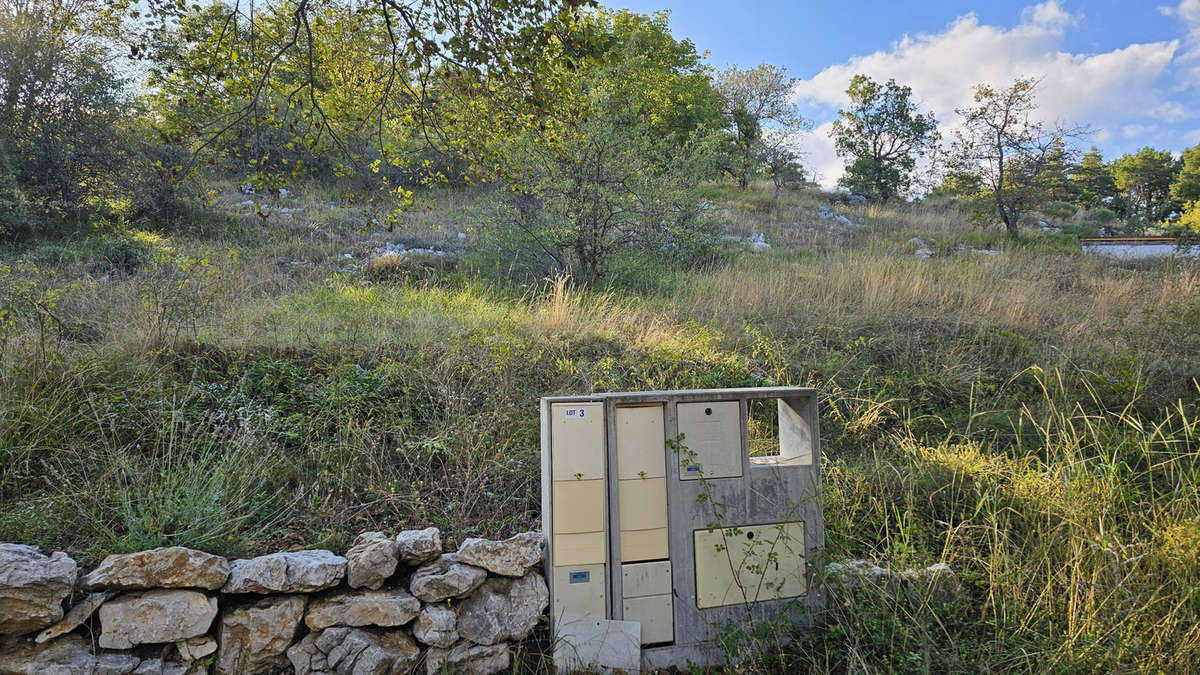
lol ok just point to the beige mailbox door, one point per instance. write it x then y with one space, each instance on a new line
642 484
712 436
579 521
751 563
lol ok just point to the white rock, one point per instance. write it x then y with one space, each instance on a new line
371 560
152 617
357 651
417 547
503 609
194 649
71 654
253 638
293 572
758 242
32 587
171 567
79 613
392 607
512 557
468 658
445 578
924 253
437 626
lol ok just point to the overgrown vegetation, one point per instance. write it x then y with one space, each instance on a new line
293 320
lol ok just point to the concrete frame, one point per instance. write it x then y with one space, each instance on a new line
769 491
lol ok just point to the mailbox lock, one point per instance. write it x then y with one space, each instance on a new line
750 535
708 411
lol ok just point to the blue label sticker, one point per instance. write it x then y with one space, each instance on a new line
581 577
695 468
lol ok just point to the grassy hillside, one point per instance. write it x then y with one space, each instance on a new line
1009 406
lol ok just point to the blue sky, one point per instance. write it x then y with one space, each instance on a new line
1128 68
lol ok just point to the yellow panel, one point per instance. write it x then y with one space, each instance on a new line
768 561
643 544
643 503
655 613
646 578
577 441
641 445
579 592
578 506
580 549
712 434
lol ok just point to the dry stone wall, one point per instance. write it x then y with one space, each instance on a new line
391 604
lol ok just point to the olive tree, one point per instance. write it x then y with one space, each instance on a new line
1003 143
756 99
883 133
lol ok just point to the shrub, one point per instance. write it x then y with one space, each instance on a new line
54 256
427 267
119 254
1058 209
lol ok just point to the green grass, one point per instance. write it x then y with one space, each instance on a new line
1028 418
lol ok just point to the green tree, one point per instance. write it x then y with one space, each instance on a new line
61 105
1186 188
1002 143
622 171
883 134
1093 181
1054 178
755 99
1144 181
373 84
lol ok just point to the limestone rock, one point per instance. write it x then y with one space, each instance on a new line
294 572
354 651
116 663
371 560
437 626
196 648
151 617
468 658
171 567
503 609
393 607
253 638
69 655
306 658
445 578
160 667
417 547
75 618
32 587
512 557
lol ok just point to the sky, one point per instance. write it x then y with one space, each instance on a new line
1129 69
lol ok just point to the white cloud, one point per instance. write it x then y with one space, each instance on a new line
1134 130
1107 90
820 155
1048 13
1192 137
1171 111
1188 12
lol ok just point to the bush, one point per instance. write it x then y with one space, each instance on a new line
119 254
1059 209
54 256
427 267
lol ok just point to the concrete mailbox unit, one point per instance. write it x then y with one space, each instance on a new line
662 522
